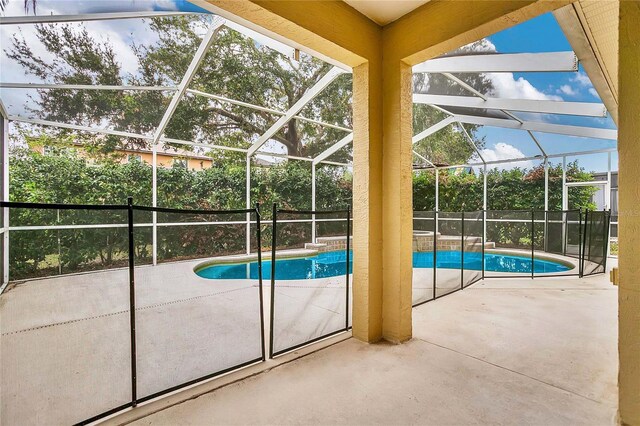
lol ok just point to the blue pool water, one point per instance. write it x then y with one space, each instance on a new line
332 264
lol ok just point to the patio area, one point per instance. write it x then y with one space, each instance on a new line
515 351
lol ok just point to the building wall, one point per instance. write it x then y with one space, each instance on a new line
163 159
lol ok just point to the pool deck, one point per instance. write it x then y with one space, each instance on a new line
58 332
517 351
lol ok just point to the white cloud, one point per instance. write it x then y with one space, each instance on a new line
505 151
506 86
567 90
593 92
484 45
582 79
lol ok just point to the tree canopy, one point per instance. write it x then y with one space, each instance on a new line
235 67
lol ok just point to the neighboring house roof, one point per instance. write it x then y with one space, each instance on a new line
168 151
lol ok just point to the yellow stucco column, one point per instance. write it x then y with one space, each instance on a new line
367 202
629 211
397 202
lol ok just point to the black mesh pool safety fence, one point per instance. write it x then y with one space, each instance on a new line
66 350
509 232
472 247
594 244
90 327
112 305
448 259
310 296
453 250
424 225
191 326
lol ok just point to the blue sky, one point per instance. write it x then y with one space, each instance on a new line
543 34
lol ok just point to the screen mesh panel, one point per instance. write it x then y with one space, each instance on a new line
198 310
309 285
473 247
65 330
596 232
509 233
423 256
448 253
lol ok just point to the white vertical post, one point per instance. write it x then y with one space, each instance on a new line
607 200
565 203
154 203
5 197
546 201
607 192
546 184
313 202
565 191
484 205
248 202
437 189
484 188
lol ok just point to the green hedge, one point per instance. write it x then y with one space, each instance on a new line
67 178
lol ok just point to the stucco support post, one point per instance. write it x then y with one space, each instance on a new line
367 202
397 203
629 213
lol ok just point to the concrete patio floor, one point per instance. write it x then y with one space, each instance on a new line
517 351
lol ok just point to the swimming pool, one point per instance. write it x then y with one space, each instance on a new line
331 264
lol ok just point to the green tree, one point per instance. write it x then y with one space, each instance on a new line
235 67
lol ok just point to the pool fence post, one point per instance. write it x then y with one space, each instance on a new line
273 275
462 253
260 287
435 250
132 302
533 243
607 226
346 309
580 239
484 237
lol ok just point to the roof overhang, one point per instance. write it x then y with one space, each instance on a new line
591 27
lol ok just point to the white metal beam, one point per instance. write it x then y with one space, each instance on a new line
335 163
431 130
322 123
464 85
471 142
265 109
333 148
83 87
423 158
474 91
3 111
50 19
234 102
188 76
537 142
587 109
501 62
535 158
561 129
120 133
203 145
78 127
278 46
296 108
